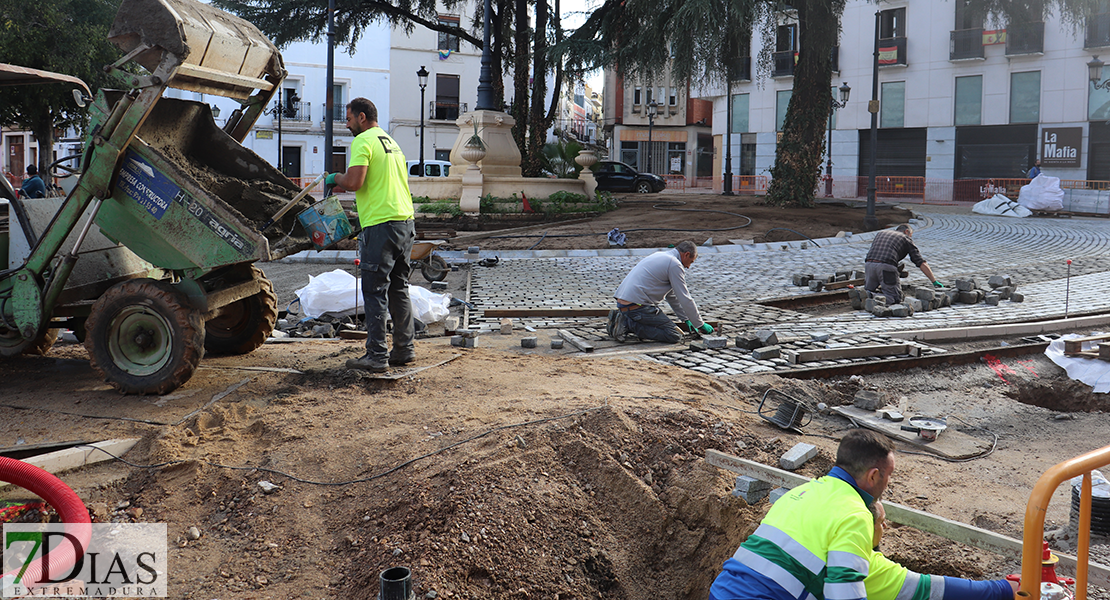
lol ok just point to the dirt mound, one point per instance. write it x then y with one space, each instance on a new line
1060 394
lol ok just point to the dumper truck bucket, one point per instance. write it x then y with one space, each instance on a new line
220 54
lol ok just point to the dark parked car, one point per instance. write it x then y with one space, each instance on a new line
616 176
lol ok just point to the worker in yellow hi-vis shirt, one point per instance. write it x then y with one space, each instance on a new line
379 179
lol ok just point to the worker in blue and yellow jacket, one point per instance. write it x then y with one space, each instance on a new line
888 580
816 541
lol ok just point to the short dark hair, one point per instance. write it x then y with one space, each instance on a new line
903 228
686 247
862 450
32 170
364 106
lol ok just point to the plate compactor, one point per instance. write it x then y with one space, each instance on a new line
149 259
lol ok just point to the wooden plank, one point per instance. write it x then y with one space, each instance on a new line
576 341
836 285
539 313
950 443
802 356
1075 345
1098 575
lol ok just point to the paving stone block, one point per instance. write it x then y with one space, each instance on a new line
857 304
992 299
528 342
556 344
438 285
801 279
819 336
827 278
965 285
776 493
698 346
767 337
748 341
815 285
1004 292
714 341
450 324
766 353
924 295
914 304
1016 297
797 456
997 281
467 333
464 342
969 297
859 275
900 310
745 483
867 400
843 275
506 326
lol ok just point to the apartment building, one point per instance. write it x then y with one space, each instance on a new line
657 126
959 97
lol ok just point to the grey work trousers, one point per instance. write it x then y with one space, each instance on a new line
884 276
648 322
384 251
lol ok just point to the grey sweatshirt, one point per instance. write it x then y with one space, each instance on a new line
657 277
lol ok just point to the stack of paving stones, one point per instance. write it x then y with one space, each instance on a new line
816 283
1001 287
742 359
922 299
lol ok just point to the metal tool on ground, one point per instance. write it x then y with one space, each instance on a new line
785 411
926 427
281 213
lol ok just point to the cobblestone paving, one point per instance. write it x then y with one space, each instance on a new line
727 285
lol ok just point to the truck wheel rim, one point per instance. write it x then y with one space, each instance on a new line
140 341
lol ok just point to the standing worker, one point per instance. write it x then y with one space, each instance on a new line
33 187
659 276
378 176
816 541
881 268
1036 170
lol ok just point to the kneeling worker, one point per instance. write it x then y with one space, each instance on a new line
881 268
657 277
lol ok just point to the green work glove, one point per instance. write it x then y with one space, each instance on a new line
689 326
938 284
706 328
329 179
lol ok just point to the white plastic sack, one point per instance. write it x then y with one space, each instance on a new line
339 294
1043 193
332 293
428 306
1002 206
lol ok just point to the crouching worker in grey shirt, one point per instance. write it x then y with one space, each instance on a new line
659 276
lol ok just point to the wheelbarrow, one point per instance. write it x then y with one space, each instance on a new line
432 266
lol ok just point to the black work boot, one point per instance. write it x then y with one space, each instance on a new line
365 363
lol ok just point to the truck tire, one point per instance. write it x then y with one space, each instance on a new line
435 269
243 325
143 337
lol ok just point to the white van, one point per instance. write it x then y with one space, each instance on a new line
432 168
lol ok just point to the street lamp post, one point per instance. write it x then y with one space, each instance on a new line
833 105
728 140
652 110
281 111
422 77
870 222
1094 70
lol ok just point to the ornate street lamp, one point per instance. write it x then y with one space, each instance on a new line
280 111
652 110
1094 70
422 77
833 105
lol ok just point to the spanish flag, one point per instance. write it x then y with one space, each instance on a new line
888 56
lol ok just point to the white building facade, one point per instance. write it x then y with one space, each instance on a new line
959 99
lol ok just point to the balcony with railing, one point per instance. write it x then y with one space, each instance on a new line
294 115
892 52
1098 31
439 110
783 63
966 44
1025 38
338 113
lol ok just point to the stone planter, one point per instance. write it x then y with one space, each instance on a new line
587 159
472 154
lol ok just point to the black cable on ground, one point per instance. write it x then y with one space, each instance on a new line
542 238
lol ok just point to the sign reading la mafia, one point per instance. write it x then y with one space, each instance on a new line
1061 146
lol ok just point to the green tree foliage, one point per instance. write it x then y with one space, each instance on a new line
63 36
558 159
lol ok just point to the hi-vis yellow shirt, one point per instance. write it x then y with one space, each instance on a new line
384 195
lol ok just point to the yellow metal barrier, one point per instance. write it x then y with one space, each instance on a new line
1035 515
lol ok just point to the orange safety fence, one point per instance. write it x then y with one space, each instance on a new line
741 184
1036 509
675 182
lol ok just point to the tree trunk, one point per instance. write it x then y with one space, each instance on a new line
798 156
536 129
520 77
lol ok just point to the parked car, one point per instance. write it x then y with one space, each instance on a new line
432 168
616 176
